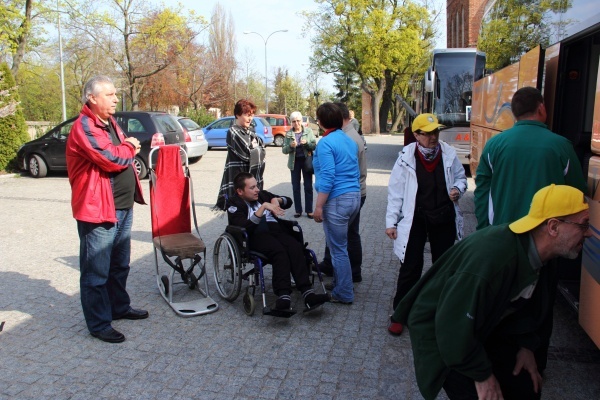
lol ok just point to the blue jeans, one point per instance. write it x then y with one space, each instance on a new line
354 245
104 252
308 188
338 214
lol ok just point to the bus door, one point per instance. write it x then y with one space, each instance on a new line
583 75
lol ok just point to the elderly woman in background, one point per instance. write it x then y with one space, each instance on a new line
299 143
425 185
338 195
245 151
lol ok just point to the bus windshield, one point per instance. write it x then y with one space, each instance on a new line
454 73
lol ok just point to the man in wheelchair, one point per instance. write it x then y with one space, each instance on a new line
258 211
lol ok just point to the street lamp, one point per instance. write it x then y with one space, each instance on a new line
266 81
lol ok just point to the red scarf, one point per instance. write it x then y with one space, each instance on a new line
328 131
429 165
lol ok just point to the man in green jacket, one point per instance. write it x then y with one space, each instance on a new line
521 160
478 315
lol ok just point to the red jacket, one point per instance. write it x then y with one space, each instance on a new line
91 158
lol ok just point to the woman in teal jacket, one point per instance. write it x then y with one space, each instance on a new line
299 143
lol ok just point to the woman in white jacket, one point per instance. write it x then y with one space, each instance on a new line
425 185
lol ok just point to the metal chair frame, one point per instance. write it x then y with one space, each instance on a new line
230 273
167 282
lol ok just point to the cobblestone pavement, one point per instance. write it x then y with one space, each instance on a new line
341 352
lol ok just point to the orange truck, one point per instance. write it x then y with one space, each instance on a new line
567 73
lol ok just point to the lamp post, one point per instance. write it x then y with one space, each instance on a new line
266 79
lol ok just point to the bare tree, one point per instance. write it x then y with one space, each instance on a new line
222 47
140 40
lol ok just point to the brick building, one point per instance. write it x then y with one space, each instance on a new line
463 21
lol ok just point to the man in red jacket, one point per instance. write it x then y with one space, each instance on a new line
104 187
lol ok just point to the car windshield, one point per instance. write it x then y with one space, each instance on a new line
166 123
189 124
263 121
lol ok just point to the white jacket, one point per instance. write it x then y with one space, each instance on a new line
402 191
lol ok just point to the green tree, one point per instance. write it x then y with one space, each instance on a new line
287 94
513 27
22 29
380 40
13 131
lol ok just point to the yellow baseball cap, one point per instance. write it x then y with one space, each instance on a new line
551 202
426 123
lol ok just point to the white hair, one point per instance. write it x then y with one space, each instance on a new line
296 115
91 86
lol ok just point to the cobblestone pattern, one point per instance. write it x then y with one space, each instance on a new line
341 352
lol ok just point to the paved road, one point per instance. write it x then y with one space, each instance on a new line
342 352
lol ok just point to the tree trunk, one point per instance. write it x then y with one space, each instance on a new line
388 99
399 113
22 39
376 96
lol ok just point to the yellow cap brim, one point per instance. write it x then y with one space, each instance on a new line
525 224
431 127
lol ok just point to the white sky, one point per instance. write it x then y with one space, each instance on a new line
284 49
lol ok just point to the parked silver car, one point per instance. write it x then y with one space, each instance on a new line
195 142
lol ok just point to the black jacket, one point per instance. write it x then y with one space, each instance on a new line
238 211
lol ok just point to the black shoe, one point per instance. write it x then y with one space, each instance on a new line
133 314
109 335
357 278
283 302
313 300
326 269
338 301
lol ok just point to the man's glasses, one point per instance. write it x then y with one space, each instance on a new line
584 227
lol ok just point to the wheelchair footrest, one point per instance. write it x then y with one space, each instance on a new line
278 313
195 307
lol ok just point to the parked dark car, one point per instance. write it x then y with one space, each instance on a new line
216 132
47 153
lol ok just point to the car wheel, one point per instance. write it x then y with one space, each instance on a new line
37 166
193 160
278 141
140 167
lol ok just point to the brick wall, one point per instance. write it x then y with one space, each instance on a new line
463 21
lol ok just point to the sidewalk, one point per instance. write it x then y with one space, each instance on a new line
341 352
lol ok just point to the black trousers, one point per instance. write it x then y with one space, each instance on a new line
286 255
354 246
502 354
441 238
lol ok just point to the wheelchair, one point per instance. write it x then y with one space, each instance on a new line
235 262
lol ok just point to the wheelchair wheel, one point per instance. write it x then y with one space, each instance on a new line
165 281
227 270
249 303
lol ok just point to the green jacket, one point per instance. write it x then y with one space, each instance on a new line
515 164
311 143
454 307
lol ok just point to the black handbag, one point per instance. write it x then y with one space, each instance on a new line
441 215
308 165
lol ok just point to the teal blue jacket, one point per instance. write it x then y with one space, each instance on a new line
336 165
